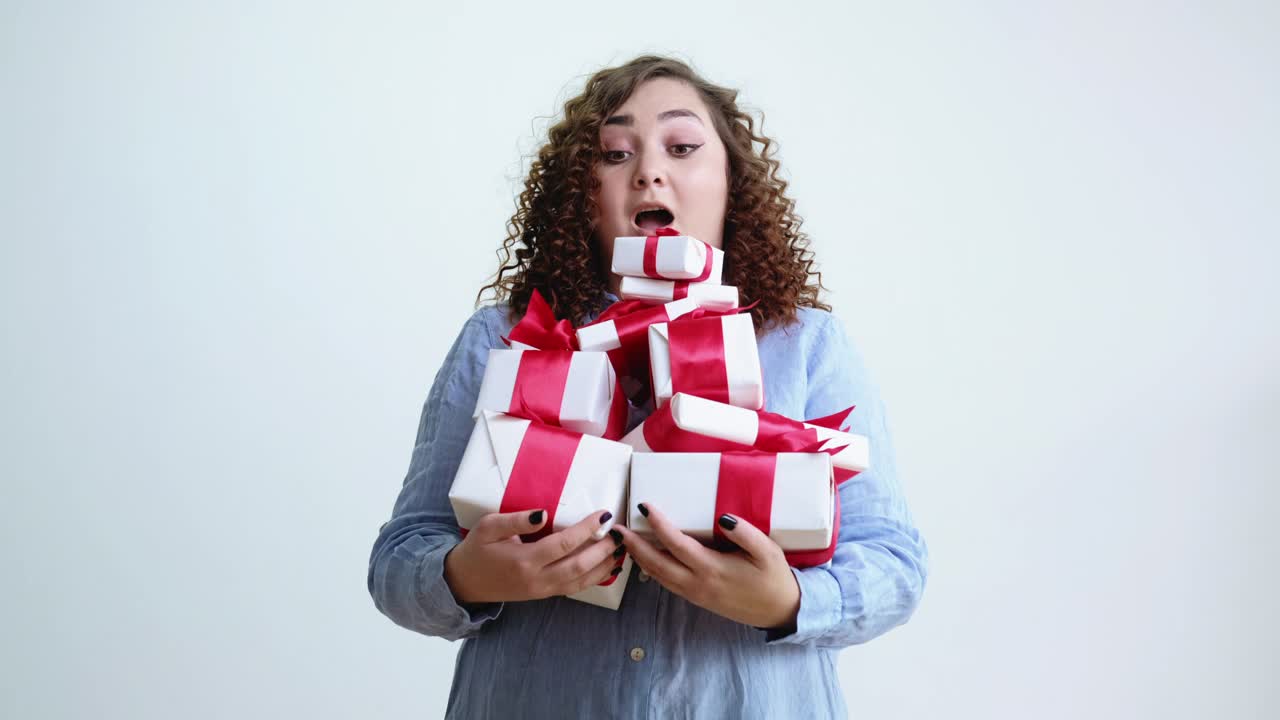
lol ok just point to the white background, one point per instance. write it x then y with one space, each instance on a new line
238 239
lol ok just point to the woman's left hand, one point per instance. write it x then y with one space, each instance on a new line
755 587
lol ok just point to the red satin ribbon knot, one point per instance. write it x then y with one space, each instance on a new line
540 329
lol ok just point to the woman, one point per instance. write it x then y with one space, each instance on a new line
700 633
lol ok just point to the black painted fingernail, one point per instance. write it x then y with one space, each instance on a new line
615 571
728 522
622 550
617 536
605 517
535 517
643 510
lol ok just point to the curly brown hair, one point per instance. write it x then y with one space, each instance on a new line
550 235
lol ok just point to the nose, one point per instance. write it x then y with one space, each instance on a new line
648 173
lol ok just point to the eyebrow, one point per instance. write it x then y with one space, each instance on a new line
629 120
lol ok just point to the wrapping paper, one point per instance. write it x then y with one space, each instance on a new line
578 391
668 256
713 357
622 331
512 464
789 496
692 424
716 297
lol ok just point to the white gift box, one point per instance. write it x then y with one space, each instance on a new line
683 487
603 337
588 388
679 257
739 425
741 358
715 297
597 479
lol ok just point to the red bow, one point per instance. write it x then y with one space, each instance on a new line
540 379
539 328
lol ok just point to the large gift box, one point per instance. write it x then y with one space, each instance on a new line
713 357
512 464
789 496
575 390
669 257
689 423
707 295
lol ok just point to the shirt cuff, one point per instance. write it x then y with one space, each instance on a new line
466 618
820 608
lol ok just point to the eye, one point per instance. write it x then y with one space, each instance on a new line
613 157
688 149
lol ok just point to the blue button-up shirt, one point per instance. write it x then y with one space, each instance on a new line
657 656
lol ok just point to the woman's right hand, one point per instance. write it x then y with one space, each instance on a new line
492 564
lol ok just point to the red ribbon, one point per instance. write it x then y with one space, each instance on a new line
777 433
539 390
540 383
696 343
619 413
698 358
651 258
540 329
835 421
745 490
631 319
540 379
539 473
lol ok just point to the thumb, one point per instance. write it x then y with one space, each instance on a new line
496 527
759 546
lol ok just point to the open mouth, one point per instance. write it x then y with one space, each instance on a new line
652 220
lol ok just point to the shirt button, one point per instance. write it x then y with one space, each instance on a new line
643 576
637 654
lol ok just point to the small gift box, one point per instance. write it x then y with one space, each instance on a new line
716 297
574 390
788 496
693 424
512 464
714 357
668 256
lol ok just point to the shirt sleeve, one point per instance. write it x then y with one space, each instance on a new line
406 566
877 576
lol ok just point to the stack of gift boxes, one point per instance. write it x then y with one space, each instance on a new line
552 411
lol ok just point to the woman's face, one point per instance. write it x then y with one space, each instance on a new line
660 151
